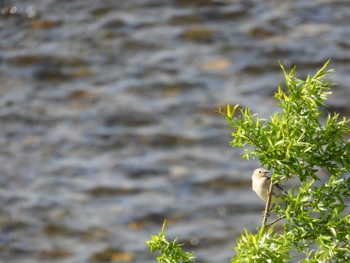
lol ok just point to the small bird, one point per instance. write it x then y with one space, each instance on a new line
261 186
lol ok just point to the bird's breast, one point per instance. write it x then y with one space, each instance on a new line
260 187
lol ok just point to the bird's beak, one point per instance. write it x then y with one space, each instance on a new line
267 172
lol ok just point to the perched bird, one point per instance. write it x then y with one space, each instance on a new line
261 186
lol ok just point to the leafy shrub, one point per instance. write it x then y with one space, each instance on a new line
296 142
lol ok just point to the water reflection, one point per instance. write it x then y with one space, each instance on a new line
108 124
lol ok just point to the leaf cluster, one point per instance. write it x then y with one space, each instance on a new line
293 141
296 142
171 252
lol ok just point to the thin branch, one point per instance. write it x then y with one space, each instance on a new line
267 206
275 221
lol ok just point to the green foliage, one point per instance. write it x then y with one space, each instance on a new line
171 252
295 142
262 247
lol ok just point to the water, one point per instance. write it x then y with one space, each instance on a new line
108 123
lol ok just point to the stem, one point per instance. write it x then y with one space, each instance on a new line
267 206
275 221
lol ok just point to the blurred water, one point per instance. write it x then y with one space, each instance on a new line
107 122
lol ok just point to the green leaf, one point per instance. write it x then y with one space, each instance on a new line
231 111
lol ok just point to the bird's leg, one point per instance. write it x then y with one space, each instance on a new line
265 214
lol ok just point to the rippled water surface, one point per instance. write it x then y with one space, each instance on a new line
108 123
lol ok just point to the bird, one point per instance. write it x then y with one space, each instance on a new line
261 186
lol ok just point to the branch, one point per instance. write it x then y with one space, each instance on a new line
275 221
267 206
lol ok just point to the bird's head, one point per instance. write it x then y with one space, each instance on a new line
260 172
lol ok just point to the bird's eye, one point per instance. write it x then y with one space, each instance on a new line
260 172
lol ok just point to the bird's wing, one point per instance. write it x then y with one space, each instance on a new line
279 188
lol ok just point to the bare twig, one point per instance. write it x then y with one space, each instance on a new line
275 221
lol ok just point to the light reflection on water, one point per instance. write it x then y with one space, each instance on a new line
108 124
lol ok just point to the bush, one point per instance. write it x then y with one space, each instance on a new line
295 142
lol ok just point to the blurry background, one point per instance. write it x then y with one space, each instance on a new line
108 123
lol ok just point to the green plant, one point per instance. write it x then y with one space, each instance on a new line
297 142
171 252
